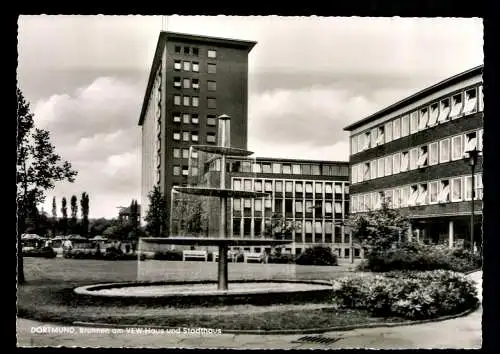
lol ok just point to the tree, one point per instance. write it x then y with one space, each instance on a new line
378 230
134 220
74 215
38 168
190 216
54 217
64 219
84 204
277 227
156 218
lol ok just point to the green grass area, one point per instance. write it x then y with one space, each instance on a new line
48 296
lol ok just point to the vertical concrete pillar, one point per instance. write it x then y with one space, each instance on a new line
451 234
410 232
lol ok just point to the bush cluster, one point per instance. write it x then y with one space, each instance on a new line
411 295
322 256
111 254
45 252
418 256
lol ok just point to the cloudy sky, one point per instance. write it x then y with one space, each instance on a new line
85 78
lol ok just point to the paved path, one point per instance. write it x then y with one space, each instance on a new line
464 332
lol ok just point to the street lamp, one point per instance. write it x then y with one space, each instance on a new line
473 155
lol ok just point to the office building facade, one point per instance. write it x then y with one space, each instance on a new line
414 154
310 196
193 79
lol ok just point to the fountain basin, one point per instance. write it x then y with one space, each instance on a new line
205 293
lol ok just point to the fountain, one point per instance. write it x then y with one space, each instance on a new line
198 292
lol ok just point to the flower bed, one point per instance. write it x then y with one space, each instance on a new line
411 295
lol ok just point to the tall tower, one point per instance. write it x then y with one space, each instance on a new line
193 79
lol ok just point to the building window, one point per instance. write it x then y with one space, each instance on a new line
318 187
176 171
433 154
422 156
187 66
354 145
266 168
212 68
457 149
470 141
185 153
177 82
185 101
444 150
367 141
211 85
186 119
444 111
405 161
296 169
478 181
210 137
396 163
196 67
186 83
456 189
196 52
177 65
380 167
256 167
422 194
194 137
424 118
187 50
194 119
444 191
237 184
211 103
433 192
468 188
481 100
396 198
366 171
177 49
258 186
405 196
413 158
480 139
373 138
380 135
177 100
177 153
195 84
470 101
196 101
211 120
315 170
176 117
456 106
298 188
236 204
413 122
388 165
298 206
212 53
413 195
278 186
354 177
258 205
396 129
388 132
177 136
185 136
433 114
194 154
309 187
373 169
405 126
247 185
276 168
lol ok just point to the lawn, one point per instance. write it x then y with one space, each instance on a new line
48 295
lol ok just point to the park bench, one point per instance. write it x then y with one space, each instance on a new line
252 256
230 255
194 254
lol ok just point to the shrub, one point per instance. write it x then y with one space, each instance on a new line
317 256
280 258
45 252
417 256
412 295
169 255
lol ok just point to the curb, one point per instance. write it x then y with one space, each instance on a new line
294 331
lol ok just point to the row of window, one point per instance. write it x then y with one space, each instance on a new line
193 101
178 153
290 206
193 118
446 190
194 51
442 151
188 83
441 111
300 186
193 66
192 136
250 166
176 171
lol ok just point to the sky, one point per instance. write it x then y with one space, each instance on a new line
309 77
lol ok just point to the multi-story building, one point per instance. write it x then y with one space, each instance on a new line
193 79
310 196
414 154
